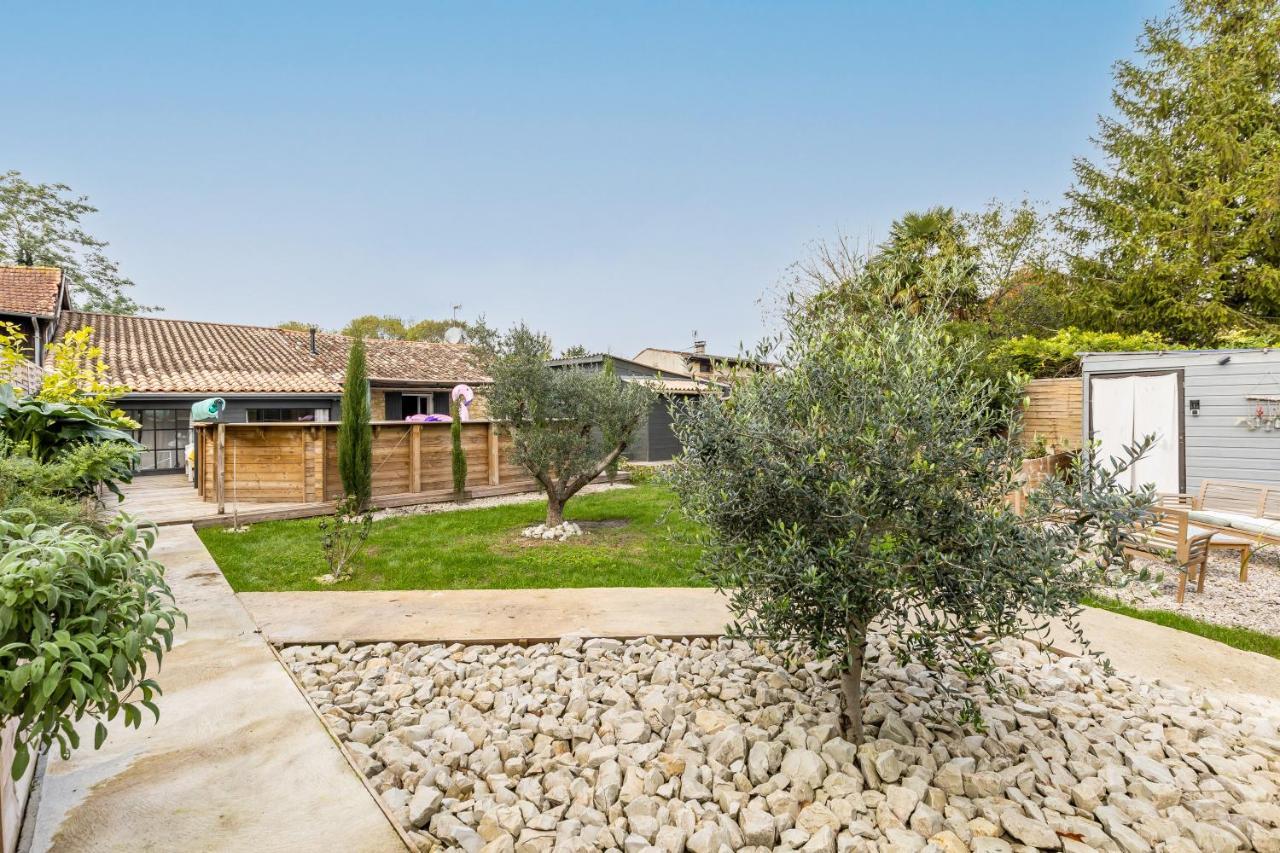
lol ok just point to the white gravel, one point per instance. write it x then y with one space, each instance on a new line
709 746
1226 601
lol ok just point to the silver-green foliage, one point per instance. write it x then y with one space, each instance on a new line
865 482
82 611
567 425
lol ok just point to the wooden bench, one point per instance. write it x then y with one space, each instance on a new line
1247 515
1169 537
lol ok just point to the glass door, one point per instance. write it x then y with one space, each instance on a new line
163 434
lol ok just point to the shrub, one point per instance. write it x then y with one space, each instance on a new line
459 456
355 436
80 613
568 425
866 481
342 538
61 489
1042 358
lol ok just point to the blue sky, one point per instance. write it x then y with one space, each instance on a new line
616 174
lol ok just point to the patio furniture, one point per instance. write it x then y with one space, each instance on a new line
1168 538
1246 513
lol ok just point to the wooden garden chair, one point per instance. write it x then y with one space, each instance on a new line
1168 538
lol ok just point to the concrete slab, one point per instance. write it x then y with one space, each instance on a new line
238 760
1153 652
486 615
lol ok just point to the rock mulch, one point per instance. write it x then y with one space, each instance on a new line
716 745
1254 604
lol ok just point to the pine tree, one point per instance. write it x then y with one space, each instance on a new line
1178 229
355 436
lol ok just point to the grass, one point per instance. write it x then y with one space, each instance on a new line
651 545
1239 638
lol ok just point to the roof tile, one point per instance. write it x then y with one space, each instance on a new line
30 290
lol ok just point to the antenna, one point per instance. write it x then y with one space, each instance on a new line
456 309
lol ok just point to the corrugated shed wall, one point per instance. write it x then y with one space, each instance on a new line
1216 447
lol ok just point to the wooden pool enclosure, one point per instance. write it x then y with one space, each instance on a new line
298 462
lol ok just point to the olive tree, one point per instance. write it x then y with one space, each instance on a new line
567 425
864 486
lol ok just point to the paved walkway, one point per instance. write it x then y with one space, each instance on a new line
238 760
486 615
1153 652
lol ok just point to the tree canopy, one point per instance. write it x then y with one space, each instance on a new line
1177 227
40 225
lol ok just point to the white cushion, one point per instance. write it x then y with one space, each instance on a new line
1260 526
1218 517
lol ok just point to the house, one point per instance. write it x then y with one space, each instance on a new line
697 363
1215 413
654 439
32 298
264 374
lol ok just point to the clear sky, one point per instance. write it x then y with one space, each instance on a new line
616 174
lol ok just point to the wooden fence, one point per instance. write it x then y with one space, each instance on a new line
1053 411
298 462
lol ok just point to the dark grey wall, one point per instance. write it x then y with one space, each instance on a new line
237 410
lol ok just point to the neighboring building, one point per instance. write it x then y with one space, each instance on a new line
265 374
697 363
1215 413
32 298
654 439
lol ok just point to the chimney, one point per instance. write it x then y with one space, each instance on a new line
312 330
700 347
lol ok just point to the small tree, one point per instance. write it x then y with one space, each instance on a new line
355 436
459 457
567 425
866 482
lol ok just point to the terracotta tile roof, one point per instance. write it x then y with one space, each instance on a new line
30 290
157 355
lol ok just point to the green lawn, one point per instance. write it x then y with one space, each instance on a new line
648 544
1240 638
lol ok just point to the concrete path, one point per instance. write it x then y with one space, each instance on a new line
1153 652
486 615
238 761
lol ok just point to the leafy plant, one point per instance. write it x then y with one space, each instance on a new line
1058 355
80 615
866 481
49 429
77 374
62 489
355 436
567 425
459 456
342 538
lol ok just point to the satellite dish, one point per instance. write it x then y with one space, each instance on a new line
453 335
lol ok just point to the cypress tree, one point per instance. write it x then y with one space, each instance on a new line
459 458
355 436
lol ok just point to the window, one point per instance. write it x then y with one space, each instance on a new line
163 434
286 415
435 403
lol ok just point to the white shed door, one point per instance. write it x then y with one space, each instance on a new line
1126 409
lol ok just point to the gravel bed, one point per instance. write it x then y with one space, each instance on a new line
481 503
1226 601
715 745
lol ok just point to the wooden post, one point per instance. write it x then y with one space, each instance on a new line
493 454
220 484
415 458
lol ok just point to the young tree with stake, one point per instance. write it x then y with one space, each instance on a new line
863 486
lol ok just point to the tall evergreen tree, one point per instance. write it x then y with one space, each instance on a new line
355 436
1177 230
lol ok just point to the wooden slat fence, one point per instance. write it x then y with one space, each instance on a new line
298 462
1053 411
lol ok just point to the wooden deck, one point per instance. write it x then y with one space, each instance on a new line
171 499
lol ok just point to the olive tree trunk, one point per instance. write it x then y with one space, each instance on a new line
851 681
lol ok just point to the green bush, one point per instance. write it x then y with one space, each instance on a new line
62 489
459 457
81 610
1043 358
355 436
